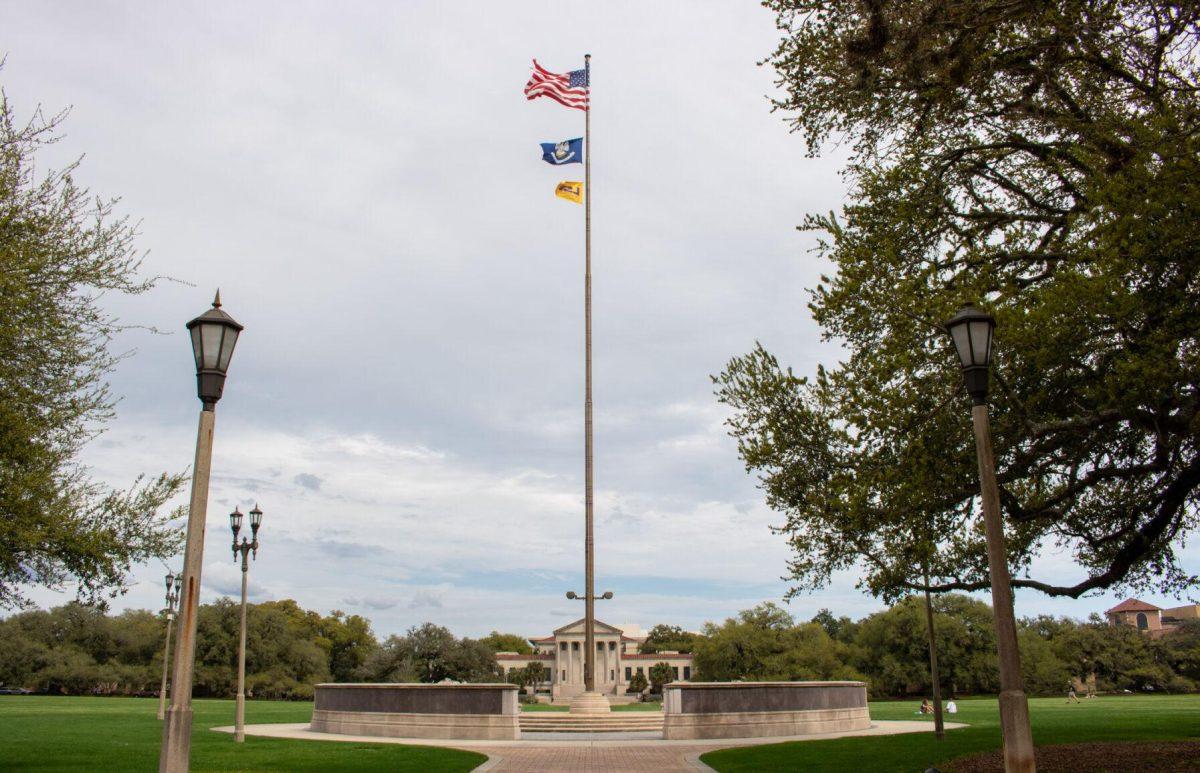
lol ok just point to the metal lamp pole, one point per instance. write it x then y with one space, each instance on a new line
245 548
214 334
173 583
971 331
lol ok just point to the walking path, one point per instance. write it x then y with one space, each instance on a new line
590 752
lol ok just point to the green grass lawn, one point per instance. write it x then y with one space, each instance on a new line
39 733
616 707
1116 718
542 707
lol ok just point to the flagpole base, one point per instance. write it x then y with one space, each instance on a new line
590 703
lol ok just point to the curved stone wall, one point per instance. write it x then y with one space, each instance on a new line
758 709
460 711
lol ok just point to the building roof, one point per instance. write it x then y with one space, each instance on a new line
600 627
1133 605
658 656
517 656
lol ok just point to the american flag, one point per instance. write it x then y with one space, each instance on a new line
570 90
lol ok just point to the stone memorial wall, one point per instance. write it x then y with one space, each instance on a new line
759 709
461 711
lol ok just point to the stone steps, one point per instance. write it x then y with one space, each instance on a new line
616 722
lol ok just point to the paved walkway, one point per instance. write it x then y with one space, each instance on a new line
595 752
564 757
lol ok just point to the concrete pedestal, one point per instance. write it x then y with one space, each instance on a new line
590 703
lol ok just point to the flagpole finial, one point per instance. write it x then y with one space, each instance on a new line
217 299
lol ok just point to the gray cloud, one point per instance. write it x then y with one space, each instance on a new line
344 549
373 603
226 582
310 482
425 600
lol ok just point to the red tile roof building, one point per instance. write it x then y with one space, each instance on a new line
1152 620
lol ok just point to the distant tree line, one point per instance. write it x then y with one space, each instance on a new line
889 650
78 649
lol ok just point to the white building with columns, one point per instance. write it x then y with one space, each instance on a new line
618 658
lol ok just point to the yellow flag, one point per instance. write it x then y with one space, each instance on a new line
571 191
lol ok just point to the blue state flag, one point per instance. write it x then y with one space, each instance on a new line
565 152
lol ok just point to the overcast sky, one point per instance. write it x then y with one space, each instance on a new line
363 182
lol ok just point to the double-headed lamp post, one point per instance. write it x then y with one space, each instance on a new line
589 641
214 334
971 330
173 583
244 549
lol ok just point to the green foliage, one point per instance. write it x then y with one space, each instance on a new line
1181 651
890 651
349 641
892 647
638 683
535 673
1040 158
764 643
61 249
1121 657
660 674
668 638
532 675
506 642
430 653
78 649
840 628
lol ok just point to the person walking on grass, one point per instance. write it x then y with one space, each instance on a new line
1071 696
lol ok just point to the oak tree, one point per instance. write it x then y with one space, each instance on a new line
1041 157
61 251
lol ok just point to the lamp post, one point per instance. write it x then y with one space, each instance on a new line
603 597
214 334
173 583
971 330
244 549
